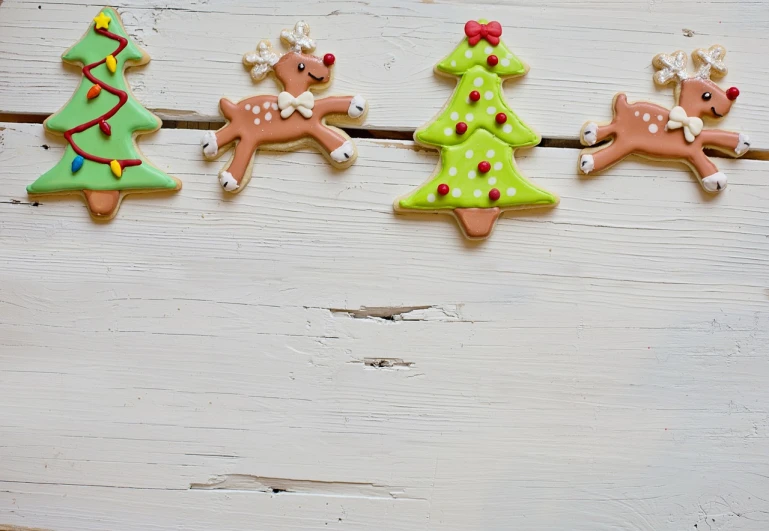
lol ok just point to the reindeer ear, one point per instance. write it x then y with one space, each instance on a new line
298 39
670 67
261 61
710 62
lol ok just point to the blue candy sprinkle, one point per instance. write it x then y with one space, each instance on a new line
77 164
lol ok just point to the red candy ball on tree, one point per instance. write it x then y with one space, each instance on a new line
443 189
484 166
329 59
461 128
501 118
475 95
494 194
493 60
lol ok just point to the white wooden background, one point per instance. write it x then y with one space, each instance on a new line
299 358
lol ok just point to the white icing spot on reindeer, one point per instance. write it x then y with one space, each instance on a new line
505 62
468 54
455 116
471 174
492 181
507 128
511 192
488 50
647 117
488 95
268 116
266 105
637 113
491 110
256 110
469 117
453 63
498 166
653 128
469 154
490 153
248 106
448 131
456 192
452 171
430 198
478 81
274 106
257 121
659 117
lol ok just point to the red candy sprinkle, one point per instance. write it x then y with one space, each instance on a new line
501 118
443 189
494 194
329 59
732 93
493 60
105 128
484 166
461 128
475 95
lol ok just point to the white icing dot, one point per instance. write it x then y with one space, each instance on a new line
455 116
468 54
448 131
456 192
248 106
471 175
453 63
266 105
257 121
511 192
469 117
637 113
488 50
274 106
491 110
659 117
452 171
647 117
478 81
498 166
509 56
488 95
268 116
490 153
469 154
505 62
256 110
507 128
477 193
653 128
430 198
492 181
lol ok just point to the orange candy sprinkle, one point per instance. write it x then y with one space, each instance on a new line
93 92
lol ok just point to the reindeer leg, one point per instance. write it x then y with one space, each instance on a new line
725 141
236 169
711 179
353 107
211 142
593 133
339 147
603 158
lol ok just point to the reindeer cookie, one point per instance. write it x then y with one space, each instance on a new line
654 132
290 120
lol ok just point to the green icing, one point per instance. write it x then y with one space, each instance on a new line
465 57
477 115
459 169
131 118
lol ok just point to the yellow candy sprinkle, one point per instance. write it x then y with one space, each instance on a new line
111 63
116 168
102 21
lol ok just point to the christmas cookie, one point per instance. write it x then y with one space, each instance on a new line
100 122
477 133
678 134
292 119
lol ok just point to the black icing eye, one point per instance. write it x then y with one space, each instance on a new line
301 69
707 96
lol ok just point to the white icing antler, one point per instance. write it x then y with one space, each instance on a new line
670 67
262 60
299 39
710 62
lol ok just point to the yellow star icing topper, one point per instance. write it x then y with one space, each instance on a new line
102 21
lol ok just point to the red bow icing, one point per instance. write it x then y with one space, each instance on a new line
476 31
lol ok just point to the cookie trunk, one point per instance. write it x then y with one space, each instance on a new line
477 222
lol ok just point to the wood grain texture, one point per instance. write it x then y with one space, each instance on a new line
299 358
580 53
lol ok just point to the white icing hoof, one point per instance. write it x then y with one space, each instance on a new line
343 153
586 164
357 106
715 182
228 182
590 134
209 145
743 145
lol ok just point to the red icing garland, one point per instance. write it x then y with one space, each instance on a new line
119 93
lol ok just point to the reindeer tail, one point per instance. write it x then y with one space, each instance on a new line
228 108
620 102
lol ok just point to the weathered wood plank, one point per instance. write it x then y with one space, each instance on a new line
580 53
598 366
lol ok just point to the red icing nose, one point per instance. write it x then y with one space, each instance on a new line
732 93
329 59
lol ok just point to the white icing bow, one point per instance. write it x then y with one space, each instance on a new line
299 39
303 103
692 125
262 60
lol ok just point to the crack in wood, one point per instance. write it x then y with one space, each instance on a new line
385 363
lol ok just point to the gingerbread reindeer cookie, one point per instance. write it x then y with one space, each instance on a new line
654 132
290 120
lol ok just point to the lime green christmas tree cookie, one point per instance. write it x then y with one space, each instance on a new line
99 123
477 133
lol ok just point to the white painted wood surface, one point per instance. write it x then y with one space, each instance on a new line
217 362
580 52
